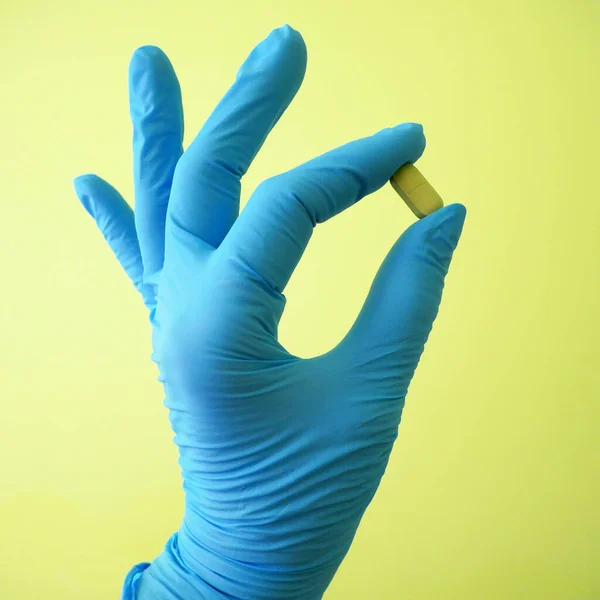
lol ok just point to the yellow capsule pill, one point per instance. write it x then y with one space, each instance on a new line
416 191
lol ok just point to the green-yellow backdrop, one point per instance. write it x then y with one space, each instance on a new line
492 491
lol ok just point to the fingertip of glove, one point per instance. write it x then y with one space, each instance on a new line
414 128
280 37
407 128
83 182
283 51
446 226
147 52
297 42
81 185
456 214
417 134
287 31
148 59
436 235
403 143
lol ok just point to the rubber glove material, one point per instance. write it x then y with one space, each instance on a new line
280 456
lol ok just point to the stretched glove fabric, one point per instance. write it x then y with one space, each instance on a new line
280 456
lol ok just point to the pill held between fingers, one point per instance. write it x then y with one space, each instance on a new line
416 191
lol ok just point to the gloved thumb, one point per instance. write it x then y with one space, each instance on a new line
397 317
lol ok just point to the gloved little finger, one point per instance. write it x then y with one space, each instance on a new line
114 217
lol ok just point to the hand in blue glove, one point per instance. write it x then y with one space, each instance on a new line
280 456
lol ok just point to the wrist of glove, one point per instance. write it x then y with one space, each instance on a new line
169 578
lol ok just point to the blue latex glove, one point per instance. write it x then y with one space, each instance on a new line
280 456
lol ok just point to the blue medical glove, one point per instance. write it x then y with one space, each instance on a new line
280 456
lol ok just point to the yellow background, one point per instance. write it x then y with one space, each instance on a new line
492 491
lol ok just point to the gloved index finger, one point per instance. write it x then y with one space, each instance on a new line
274 228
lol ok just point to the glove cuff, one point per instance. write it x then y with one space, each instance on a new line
166 578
